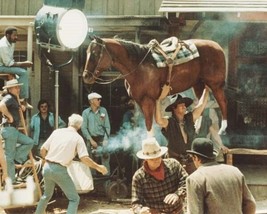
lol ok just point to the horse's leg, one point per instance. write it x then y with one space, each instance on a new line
198 89
219 95
148 105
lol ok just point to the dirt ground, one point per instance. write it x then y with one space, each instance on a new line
90 203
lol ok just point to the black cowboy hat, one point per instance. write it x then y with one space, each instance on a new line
186 100
203 147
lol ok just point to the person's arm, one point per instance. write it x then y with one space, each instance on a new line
201 104
43 152
85 132
160 120
217 139
137 194
90 163
84 127
6 56
172 198
195 197
24 64
32 123
5 112
107 125
61 123
248 204
3 161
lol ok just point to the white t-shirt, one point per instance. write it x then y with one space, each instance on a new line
63 145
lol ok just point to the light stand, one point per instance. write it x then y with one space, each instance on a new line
60 29
55 68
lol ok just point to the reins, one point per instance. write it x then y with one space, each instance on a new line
102 81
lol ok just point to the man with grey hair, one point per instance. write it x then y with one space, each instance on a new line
58 151
96 129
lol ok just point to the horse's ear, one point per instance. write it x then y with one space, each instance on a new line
91 37
98 39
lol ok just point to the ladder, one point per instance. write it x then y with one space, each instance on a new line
22 128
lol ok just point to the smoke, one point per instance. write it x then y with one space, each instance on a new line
129 138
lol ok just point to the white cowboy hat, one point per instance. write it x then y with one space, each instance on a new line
94 95
12 83
151 149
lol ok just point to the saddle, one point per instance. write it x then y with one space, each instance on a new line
169 45
172 51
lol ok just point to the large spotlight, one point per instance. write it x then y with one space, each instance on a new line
60 28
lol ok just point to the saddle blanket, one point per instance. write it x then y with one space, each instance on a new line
187 52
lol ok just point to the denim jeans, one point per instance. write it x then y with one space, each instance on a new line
53 174
23 78
17 148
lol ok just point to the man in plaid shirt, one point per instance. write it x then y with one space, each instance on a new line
159 186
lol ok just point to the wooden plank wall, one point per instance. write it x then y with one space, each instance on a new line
92 7
20 7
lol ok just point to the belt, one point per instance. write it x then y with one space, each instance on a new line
48 161
52 162
9 125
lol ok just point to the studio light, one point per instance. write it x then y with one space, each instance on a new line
60 28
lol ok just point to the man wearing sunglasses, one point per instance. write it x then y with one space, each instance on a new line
96 129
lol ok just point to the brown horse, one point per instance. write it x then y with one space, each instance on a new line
145 79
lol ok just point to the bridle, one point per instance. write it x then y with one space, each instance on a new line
99 80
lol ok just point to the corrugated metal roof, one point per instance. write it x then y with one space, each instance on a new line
177 6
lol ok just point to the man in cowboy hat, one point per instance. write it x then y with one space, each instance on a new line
159 185
8 64
179 129
214 187
9 106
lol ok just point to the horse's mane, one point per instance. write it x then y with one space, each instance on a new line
135 50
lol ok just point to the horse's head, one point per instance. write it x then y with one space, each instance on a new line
98 59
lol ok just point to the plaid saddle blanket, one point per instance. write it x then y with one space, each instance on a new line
187 52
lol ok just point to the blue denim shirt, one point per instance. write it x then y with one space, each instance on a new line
35 125
95 123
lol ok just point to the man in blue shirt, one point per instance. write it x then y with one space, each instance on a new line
9 107
42 125
96 128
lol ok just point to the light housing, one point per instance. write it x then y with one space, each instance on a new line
60 28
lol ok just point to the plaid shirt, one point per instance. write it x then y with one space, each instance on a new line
149 192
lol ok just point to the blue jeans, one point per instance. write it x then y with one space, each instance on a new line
53 174
23 78
17 148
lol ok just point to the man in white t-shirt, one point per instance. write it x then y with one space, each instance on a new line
58 151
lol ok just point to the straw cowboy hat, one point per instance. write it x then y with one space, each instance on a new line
151 149
203 147
12 83
186 100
